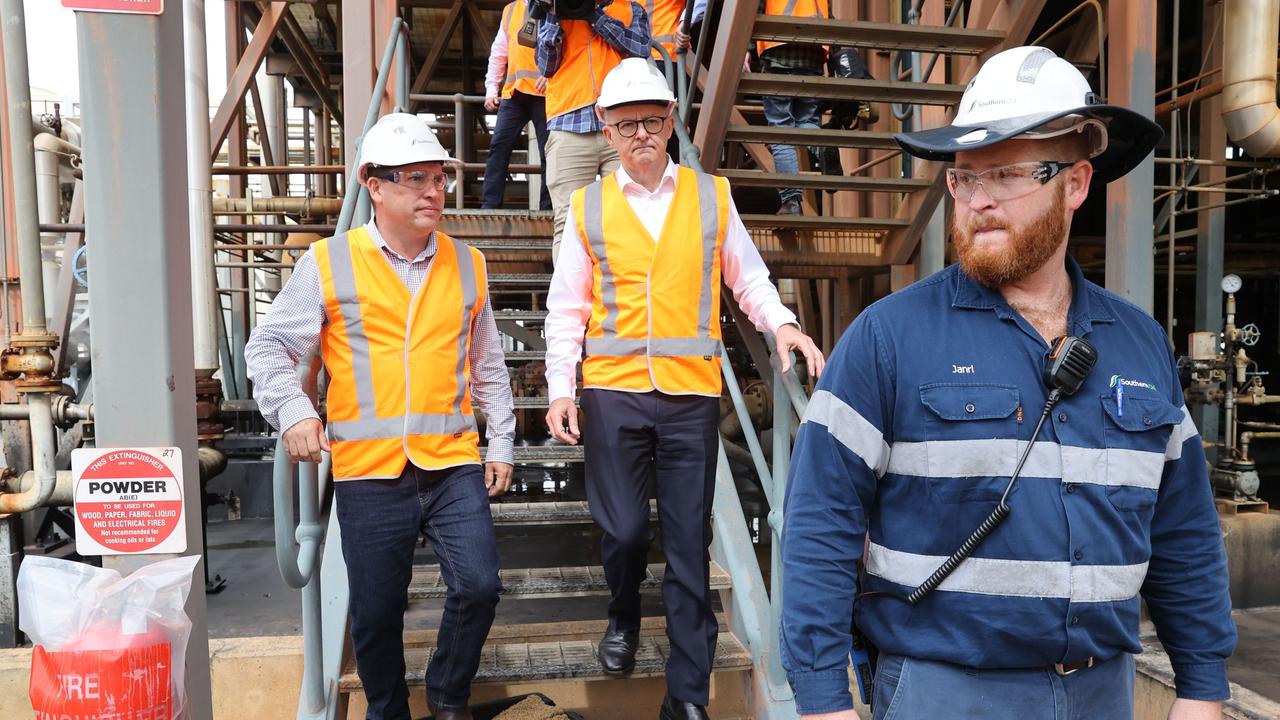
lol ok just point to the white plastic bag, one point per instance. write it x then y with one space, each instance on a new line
106 646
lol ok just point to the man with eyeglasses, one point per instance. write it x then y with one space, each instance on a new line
640 271
927 405
401 316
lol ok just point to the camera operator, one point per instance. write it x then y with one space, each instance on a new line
579 42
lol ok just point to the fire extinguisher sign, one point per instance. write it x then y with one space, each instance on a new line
128 501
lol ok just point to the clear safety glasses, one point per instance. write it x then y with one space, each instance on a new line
1007 182
416 180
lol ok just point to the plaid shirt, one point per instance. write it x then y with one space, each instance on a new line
291 330
630 40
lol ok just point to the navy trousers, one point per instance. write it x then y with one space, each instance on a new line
637 444
380 521
911 689
513 114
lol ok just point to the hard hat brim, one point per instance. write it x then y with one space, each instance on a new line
1131 136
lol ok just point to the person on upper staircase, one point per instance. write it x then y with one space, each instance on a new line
802 59
579 42
517 91
644 254
400 313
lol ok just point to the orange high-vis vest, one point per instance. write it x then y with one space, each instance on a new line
655 309
398 364
586 59
793 8
522 67
664 19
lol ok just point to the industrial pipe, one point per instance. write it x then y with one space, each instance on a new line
63 488
204 300
276 205
42 450
1248 437
1249 75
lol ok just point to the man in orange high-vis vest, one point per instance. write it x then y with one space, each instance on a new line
517 91
639 276
796 112
575 55
400 314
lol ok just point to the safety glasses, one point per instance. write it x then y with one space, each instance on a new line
416 180
1007 182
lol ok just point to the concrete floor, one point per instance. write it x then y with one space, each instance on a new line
1256 664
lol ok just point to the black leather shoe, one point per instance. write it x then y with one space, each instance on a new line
673 709
618 651
452 714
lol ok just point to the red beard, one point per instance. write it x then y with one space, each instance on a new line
1029 247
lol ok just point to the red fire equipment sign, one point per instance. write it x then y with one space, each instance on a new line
128 501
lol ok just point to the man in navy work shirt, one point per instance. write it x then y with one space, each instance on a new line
923 412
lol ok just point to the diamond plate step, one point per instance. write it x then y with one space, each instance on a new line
842 89
540 279
544 453
563 660
551 582
526 315
818 181
807 136
548 513
525 355
885 36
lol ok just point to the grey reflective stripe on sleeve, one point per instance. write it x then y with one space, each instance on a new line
593 216
1015 578
467 274
655 347
394 428
344 287
709 206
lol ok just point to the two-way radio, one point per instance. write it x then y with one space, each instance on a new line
1066 367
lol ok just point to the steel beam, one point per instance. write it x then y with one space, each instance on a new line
444 33
246 68
135 203
732 41
309 63
1131 83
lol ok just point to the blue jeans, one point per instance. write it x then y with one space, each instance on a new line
380 521
797 112
513 114
911 689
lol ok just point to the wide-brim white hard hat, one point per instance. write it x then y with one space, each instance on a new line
633 81
1025 89
400 139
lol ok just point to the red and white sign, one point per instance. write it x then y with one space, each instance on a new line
133 7
128 501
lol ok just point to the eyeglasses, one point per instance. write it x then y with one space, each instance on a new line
1007 182
652 125
416 180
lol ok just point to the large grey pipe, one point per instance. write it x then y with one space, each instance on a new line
18 89
204 300
1249 109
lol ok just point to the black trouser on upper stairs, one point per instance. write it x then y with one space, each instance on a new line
634 444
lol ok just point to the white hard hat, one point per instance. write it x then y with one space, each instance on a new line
400 139
634 80
1031 92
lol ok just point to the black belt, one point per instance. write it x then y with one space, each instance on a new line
1065 669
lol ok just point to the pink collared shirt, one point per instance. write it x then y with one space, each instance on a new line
569 300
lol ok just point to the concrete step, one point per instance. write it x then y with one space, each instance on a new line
817 137
818 181
824 222
886 36
551 582
841 89
533 454
558 660
548 513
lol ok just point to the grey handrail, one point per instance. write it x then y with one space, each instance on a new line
298 563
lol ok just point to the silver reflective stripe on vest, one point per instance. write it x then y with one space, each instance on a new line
394 428
593 215
467 274
522 75
710 210
344 287
655 347
1015 578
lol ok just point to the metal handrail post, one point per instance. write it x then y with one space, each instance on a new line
781 464
749 431
459 106
402 72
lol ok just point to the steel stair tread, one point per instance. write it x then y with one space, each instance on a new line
519 314
806 136
551 582
542 279
879 35
824 222
548 513
559 660
544 453
844 89
818 181
524 355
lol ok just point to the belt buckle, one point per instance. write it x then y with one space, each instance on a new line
1062 670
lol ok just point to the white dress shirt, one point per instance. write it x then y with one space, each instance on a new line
497 71
569 300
